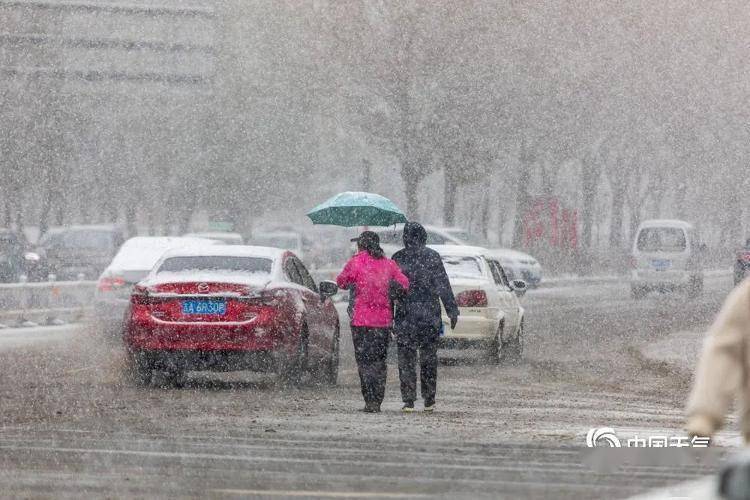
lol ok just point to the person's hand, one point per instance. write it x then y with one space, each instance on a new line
454 320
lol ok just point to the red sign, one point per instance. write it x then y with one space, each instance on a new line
547 222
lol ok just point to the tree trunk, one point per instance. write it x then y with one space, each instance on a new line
412 196
635 219
8 215
46 209
485 211
523 199
502 216
449 196
618 203
589 184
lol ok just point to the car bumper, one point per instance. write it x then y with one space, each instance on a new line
661 279
470 330
201 337
195 360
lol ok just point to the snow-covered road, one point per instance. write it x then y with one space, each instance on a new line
11 338
72 426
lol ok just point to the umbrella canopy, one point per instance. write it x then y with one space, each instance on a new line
354 208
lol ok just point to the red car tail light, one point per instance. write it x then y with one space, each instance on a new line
472 298
109 283
140 296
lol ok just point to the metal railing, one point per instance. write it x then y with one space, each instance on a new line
49 303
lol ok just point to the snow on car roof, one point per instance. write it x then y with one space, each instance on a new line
228 251
508 253
260 279
140 253
459 250
216 235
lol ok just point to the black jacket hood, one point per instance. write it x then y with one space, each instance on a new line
414 235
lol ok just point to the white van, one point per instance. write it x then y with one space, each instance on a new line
666 257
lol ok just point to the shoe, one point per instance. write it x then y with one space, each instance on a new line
429 408
407 408
371 408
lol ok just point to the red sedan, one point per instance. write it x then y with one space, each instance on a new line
226 308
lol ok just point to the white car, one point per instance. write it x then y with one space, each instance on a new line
132 263
517 265
667 256
491 316
221 237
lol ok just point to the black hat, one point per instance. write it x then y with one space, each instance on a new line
367 237
370 242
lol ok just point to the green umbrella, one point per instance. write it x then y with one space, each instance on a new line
353 208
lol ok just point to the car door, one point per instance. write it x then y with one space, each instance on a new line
508 299
319 324
295 290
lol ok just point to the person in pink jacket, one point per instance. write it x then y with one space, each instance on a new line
372 275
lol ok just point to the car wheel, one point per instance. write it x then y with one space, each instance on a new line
290 368
138 369
514 347
175 377
496 351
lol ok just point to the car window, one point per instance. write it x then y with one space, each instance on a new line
291 272
662 239
498 274
216 263
307 280
462 267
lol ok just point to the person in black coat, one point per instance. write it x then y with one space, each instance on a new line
417 321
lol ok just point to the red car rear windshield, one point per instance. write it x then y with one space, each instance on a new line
203 263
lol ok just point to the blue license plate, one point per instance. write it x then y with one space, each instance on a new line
661 264
211 307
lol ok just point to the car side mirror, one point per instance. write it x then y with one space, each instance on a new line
328 289
519 287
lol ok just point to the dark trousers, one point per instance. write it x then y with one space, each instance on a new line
370 351
424 343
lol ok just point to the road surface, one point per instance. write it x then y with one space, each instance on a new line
72 426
